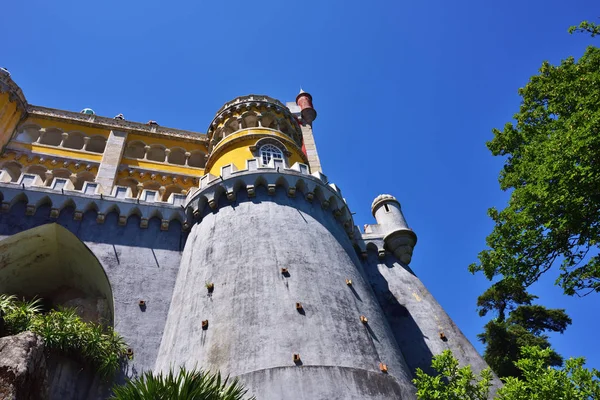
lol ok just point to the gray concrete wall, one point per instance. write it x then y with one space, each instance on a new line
141 264
416 318
254 327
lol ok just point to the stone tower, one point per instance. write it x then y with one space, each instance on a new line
245 256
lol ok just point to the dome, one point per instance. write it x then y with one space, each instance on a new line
88 111
382 198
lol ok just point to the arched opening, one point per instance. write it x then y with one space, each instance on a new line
171 189
52 137
135 150
177 156
13 169
28 134
96 144
38 170
269 121
51 263
74 141
197 159
232 125
83 177
130 183
284 126
156 153
249 120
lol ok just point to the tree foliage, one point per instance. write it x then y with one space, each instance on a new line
189 385
452 382
588 27
518 323
64 331
537 381
552 168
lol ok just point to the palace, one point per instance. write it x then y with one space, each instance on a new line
228 250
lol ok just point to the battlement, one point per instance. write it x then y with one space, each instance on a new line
60 195
294 180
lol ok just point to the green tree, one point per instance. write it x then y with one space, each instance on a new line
538 382
589 27
189 385
552 168
518 323
452 382
573 382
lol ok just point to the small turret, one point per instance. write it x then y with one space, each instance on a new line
399 238
304 101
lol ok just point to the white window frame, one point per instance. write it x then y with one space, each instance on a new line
268 152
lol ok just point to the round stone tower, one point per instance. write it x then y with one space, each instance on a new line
270 288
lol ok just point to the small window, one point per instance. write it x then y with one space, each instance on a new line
149 196
90 188
179 199
268 152
121 192
28 180
387 209
59 183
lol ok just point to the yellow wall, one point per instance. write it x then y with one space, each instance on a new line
57 151
168 143
8 119
168 168
69 127
239 151
47 163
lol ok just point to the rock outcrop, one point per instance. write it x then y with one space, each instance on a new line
23 373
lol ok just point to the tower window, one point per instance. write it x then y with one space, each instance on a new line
268 152
387 209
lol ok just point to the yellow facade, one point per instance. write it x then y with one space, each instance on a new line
236 149
68 127
9 117
57 144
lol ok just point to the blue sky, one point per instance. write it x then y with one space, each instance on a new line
407 94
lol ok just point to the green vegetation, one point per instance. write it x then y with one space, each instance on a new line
189 385
452 382
552 220
64 331
573 382
518 323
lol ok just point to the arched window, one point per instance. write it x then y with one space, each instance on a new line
268 152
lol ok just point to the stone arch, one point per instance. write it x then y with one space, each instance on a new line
269 120
230 126
197 159
13 169
51 263
156 153
169 190
130 183
249 120
176 156
52 137
74 141
39 170
286 128
28 134
96 144
135 149
152 185
82 177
